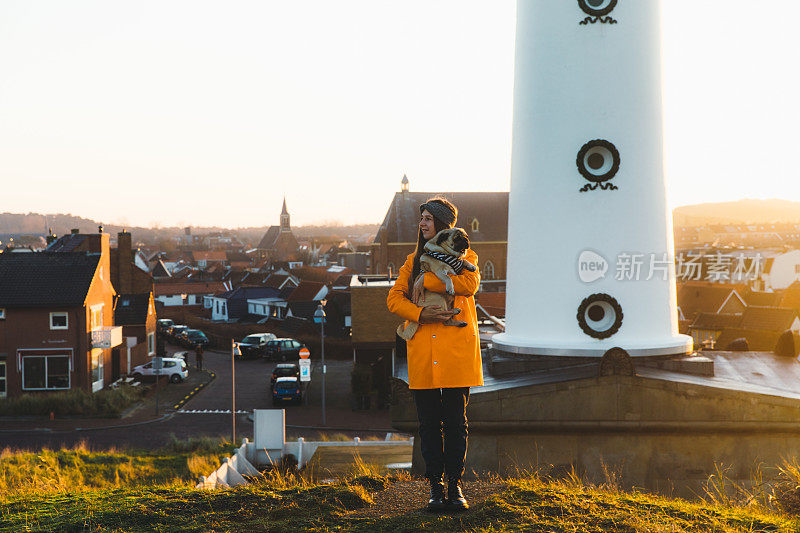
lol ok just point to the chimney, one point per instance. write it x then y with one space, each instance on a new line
124 263
105 255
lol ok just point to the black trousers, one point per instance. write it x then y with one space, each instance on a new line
443 430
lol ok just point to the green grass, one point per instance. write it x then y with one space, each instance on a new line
105 403
80 490
523 505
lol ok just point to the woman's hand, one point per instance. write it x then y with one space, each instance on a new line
435 313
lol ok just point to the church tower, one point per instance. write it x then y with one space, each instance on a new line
285 226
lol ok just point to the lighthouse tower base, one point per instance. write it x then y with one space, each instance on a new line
671 346
661 424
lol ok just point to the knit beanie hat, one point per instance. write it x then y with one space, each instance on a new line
439 211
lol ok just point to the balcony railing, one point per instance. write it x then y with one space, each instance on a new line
107 337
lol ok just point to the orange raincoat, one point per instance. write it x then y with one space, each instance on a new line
441 356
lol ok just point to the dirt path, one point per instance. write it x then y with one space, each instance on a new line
411 495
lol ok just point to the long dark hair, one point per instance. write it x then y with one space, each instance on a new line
438 226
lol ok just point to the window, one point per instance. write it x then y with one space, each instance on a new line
96 317
474 225
97 370
58 321
43 372
796 271
390 269
151 343
2 313
488 270
2 379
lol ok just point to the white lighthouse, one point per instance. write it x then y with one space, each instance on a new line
590 245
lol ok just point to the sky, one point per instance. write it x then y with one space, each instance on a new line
192 112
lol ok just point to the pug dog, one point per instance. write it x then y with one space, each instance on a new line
443 256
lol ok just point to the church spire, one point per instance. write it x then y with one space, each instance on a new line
285 226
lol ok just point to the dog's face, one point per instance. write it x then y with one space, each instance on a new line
453 240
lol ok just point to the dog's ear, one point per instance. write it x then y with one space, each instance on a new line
442 237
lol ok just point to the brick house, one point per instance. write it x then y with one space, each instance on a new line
483 215
134 307
56 319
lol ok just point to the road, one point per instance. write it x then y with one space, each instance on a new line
252 392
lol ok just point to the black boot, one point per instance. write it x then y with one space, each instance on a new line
437 501
455 498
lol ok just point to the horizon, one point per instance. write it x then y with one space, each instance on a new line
339 224
204 115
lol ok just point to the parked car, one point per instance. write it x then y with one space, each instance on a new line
163 325
283 349
285 370
176 330
172 366
192 337
254 345
286 390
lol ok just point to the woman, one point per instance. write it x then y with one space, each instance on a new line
443 361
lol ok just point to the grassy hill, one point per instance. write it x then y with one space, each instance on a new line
738 212
81 490
372 503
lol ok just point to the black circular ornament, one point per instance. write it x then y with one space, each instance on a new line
598 161
600 316
597 8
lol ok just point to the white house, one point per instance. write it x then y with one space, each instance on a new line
782 270
219 306
268 307
186 293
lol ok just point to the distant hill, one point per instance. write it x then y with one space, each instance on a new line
38 224
741 212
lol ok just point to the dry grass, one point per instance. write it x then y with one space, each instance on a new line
79 468
124 491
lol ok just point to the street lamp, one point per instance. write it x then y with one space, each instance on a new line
319 317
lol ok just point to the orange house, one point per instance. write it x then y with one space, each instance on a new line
57 318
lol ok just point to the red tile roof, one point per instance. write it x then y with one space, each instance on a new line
193 287
306 291
209 256
777 319
321 274
716 322
703 297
